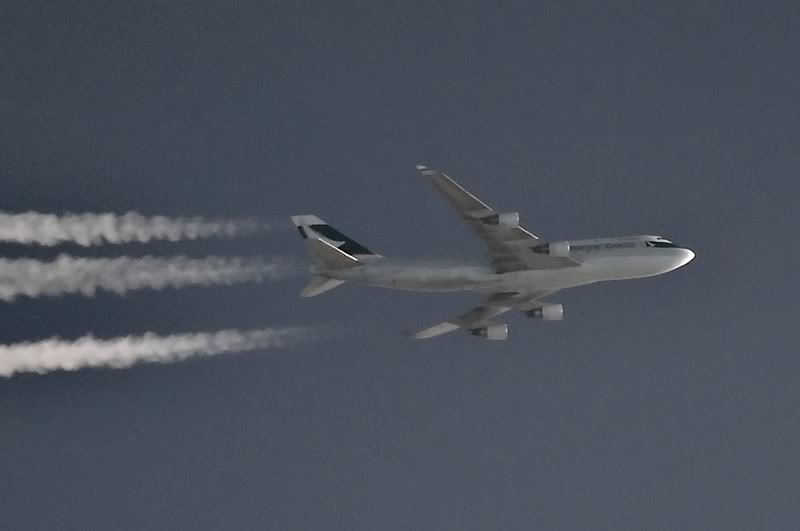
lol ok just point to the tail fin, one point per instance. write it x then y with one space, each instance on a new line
329 250
310 227
327 257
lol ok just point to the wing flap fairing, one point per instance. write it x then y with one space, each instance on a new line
482 315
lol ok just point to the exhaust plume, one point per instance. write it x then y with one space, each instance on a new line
95 229
88 351
85 276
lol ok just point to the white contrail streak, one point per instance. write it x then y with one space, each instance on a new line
85 276
95 229
88 351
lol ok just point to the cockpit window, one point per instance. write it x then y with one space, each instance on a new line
661 243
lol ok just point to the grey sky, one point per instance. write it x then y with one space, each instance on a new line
667 403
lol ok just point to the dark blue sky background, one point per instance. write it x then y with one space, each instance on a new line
666 403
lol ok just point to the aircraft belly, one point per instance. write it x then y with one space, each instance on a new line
623 268
449 279
522 281
430 279
437 282
430 286
476 280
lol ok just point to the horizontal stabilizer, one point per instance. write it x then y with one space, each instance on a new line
320 284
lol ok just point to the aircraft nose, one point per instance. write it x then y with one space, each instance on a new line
686 256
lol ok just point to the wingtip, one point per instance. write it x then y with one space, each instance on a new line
424 169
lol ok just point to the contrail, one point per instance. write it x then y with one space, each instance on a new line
88 351
85 276
95 229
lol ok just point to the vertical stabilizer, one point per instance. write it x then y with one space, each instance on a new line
329 250
310 226
327 257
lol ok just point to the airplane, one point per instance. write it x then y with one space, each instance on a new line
522 268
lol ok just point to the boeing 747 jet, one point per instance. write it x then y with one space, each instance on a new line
522 269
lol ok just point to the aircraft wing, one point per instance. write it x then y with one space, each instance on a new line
509 246
482 315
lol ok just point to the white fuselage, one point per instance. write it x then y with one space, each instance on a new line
600 259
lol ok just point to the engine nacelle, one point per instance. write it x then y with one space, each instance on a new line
548 312
506 219
553 248
496 332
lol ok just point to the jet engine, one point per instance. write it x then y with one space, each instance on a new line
553 248
548 312
495 332
506 219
